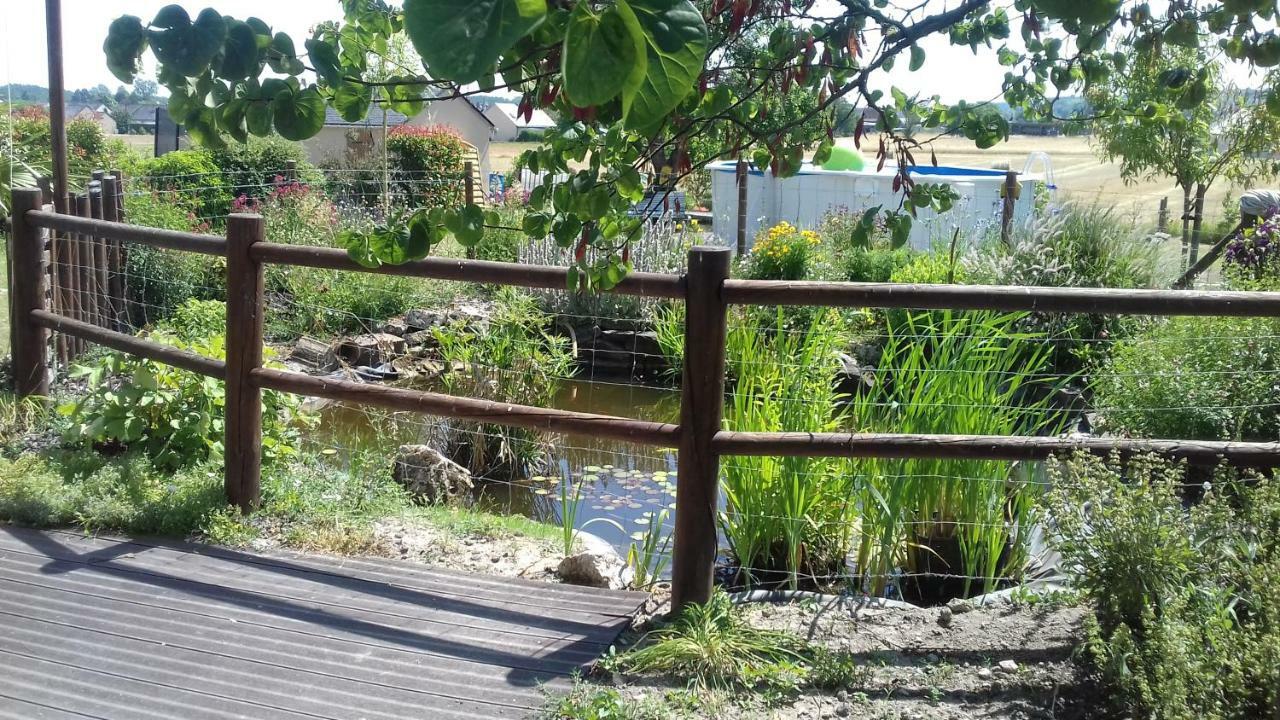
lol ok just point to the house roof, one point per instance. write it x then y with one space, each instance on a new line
374 117
539 121
143 113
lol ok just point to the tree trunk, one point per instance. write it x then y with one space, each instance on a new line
1197 223
1186 224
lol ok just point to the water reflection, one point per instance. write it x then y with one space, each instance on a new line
618 482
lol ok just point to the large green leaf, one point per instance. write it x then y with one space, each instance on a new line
602 51
282 57
324 58
460 40
351 100
240 53
299 114
675 39
188 47
125 43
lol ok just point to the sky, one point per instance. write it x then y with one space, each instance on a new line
954 73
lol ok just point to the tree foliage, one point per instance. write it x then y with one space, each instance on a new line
633 81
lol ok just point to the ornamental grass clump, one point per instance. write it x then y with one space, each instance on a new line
786 518
949 524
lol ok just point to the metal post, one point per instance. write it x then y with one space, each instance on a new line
243 407
27 293
740 176
701 409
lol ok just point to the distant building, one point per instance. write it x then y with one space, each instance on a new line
508 124
341 142
96 113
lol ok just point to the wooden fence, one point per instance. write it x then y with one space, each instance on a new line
39 234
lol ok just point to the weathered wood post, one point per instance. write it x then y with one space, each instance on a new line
243 443
27 293
1162 219
291 171
102 280
1197 227
740 177
88 298
701 408
115 271
1009 195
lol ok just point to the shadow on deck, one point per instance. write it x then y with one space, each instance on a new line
141 628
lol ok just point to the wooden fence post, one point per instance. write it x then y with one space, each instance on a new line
115 271
243 443
102 280
740 176
701 408
27 293
291 171
1162 219
1009 196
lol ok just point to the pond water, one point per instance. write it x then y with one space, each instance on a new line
619 482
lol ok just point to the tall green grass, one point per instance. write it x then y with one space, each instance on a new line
786 517
952 373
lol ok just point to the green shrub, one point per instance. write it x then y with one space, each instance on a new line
516 359
255 168
428 164
31 143
174 416
1203 378
159 281
192 180
876 265
783 252
1186 618
1076 246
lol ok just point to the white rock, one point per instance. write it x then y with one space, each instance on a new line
1008 667
984 674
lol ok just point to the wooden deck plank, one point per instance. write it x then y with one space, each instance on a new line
108 629
402 573
523 630
316 652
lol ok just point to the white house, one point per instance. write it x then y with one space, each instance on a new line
95 113
341 142
508 124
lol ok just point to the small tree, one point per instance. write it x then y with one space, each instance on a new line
1173 115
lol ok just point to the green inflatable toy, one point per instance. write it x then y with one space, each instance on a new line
843 158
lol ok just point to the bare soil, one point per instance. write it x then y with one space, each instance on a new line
1010 661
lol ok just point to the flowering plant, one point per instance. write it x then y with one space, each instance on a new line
783 252
1252 259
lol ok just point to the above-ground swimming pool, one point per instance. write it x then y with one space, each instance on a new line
804 199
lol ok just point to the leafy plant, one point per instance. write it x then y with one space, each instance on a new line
1185 619
1206 378
428 165
174 416
783 252
515 359
1252 258
256 167
189 179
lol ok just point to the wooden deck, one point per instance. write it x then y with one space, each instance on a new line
112 628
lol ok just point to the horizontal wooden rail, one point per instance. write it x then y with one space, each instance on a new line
643 284
485 411
166 354
1004 298
984 447
153 237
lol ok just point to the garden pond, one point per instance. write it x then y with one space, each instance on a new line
619 482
